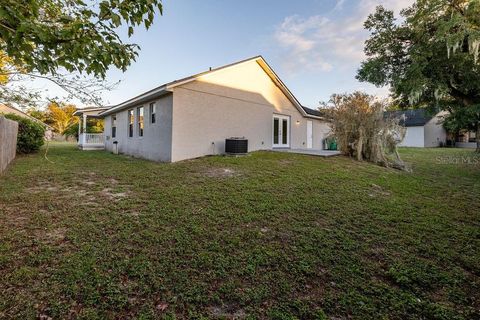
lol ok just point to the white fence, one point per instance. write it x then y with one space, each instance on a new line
94 138
91 141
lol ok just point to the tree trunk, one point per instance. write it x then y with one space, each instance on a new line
477 138
360 145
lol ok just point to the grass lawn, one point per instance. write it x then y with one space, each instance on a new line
268 235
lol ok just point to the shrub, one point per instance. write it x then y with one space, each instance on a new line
361 130
30 134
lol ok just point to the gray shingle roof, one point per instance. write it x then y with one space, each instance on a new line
313 112
411 117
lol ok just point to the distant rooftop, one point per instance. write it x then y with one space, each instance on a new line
411 117
313 112
4 109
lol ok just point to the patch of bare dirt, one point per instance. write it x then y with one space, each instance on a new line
112 195
378 191
223 313
52 236
89 203
83 190
221 173
16 220
42 186
285 162
133 213
56 234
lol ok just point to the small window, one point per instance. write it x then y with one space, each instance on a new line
114 126
130 123
153 112
472 136
140 121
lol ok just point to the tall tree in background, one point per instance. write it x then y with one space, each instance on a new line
60 116
67 41
431 58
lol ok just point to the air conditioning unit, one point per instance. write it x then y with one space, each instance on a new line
236 145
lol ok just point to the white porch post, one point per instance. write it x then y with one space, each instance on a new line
79 129
84 129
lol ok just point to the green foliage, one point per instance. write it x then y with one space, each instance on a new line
46 35
431 58
462 119
38 114
94 125
30 134
60 116
416 275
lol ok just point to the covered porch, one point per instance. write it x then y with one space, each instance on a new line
89 141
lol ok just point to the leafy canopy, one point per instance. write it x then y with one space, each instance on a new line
431 58
60 116
79 36
462 119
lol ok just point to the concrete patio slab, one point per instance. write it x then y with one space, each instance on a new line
312 152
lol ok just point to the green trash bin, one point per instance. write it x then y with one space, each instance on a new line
333 145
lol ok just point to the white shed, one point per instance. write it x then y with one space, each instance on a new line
423 130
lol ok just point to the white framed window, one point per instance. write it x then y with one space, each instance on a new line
130 123
114 125
140 121
153 112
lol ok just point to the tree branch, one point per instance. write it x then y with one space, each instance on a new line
465 99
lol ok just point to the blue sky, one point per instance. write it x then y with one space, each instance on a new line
315 46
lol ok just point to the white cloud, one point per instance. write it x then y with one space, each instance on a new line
296 32
296 36
332 40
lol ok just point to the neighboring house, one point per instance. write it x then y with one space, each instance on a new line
422 129
465 139
192 117
9 109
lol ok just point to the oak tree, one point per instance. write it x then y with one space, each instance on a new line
430 58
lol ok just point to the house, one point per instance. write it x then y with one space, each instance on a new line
193 116
465 139
422 129
4 109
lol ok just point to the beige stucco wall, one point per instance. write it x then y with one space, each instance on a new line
236 101
156 143
434 131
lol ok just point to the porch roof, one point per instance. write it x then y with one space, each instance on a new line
92 112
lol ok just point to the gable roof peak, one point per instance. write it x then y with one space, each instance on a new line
167 88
